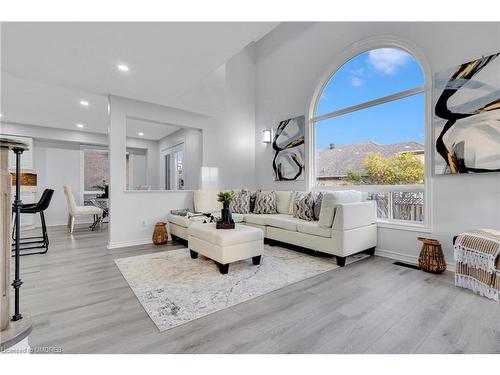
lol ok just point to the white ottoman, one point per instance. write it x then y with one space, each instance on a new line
226 245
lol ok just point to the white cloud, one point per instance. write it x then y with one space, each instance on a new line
356 81
358 72
387 60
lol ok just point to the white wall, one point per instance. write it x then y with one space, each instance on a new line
56 164
228 144
152 161
292 60
56 160
137 168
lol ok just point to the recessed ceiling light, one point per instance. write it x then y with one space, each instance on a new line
79 125
1 115
123 67
84 103
140 134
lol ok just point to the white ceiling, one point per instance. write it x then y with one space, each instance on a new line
35 103
152 131
47 68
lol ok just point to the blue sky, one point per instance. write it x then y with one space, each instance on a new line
369 76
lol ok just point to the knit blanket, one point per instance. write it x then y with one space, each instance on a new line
477 256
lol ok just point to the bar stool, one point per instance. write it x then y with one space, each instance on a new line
37 242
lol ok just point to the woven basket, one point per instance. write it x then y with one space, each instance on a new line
431 257
160 234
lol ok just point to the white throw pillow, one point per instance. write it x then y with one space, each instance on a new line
331 200
206 201
284 200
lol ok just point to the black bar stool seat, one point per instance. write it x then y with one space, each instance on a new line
37 242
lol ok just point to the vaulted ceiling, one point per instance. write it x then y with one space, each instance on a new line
48 68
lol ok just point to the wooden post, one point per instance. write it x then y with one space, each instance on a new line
5 214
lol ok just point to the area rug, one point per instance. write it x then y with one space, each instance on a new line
175 289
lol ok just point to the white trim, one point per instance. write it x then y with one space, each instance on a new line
372 188
63 223
350 52
120 244
371 103
158 191
412 226
411 259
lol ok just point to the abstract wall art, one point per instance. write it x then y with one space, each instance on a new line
467 117
288 147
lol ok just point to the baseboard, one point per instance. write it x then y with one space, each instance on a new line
120 244
61 223
412 259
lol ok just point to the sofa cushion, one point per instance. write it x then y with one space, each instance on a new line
284 222
303 205
347 196
312 227
241 202
283 201
238 218
331 200
265 202
259 219
241 234
206 201
182 221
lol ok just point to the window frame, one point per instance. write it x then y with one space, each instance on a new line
348 54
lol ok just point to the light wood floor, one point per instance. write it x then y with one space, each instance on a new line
79 301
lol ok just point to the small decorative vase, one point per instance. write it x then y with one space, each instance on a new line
160 234
226 215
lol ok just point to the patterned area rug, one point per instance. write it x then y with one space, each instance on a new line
175 289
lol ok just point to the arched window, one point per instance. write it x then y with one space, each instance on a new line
369 131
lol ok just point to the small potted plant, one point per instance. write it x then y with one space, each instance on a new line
226 197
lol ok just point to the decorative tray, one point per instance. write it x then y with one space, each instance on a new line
221 225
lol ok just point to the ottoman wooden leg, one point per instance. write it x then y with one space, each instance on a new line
223 268
194 254
256 260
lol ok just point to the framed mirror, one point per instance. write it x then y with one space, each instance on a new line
162 156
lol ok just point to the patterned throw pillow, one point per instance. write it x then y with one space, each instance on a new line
265 202
241 202
253 196
303 206
317 205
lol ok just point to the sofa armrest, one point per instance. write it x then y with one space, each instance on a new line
354 215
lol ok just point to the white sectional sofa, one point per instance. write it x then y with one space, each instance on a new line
347 223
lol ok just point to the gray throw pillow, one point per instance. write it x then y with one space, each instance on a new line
265 202
317 205
241 202
303 206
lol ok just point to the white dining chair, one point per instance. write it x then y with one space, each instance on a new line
74 210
